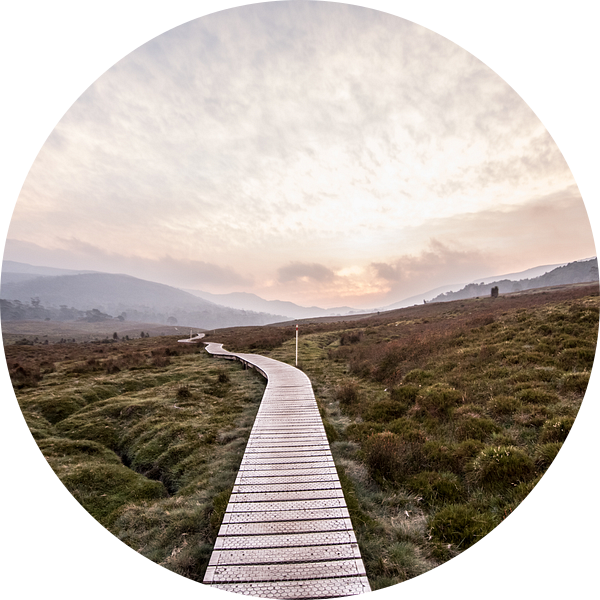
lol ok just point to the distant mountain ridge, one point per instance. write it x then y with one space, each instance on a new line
248 301
138 299
576 272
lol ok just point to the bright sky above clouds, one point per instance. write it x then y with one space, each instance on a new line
319 153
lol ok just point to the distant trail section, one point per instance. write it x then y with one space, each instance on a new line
286 532
191 340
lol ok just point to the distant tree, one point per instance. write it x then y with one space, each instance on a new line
172 321
495 291
115 336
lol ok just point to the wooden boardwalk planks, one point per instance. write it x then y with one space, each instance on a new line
286 532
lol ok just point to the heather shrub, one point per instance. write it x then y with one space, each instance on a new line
347 394
500 466
390 458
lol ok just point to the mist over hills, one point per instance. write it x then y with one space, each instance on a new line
42 293
132 298
247 301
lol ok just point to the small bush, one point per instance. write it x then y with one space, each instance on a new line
461 525
350 337
536 396
556 430
475 429
407 394
385 411
160 361
546 453
576 358
504 405
439 401
389 457
417 376
358 432
183 393
223 377
408 430
499 466
436 487
576 382
348 394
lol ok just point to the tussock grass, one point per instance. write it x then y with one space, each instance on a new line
150 452
441 418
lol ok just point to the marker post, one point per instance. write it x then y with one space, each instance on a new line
296 345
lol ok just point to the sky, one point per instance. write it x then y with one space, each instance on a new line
320 153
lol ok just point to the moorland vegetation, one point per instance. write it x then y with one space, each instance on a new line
441 417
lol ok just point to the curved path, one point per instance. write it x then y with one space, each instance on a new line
286 532
191 339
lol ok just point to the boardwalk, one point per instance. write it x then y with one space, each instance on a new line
286 532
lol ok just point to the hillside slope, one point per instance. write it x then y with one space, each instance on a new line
575 272
141 300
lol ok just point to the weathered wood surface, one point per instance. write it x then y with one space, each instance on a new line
286 532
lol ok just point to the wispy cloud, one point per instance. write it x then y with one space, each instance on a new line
292 133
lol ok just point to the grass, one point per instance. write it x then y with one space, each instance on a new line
150 451
441 418
444 415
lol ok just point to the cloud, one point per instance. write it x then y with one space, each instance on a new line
439 263
295 271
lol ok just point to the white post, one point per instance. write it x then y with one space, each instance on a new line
296 345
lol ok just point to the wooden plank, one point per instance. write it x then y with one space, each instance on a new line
286 532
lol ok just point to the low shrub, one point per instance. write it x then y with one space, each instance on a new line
390 458
418 376
439 401
501 466
385 411
576 358
408 430
575 382
406 394
436 487
461 525
556 430
504 405
536 396
348 394
359 432
223 376
475 429
546 453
